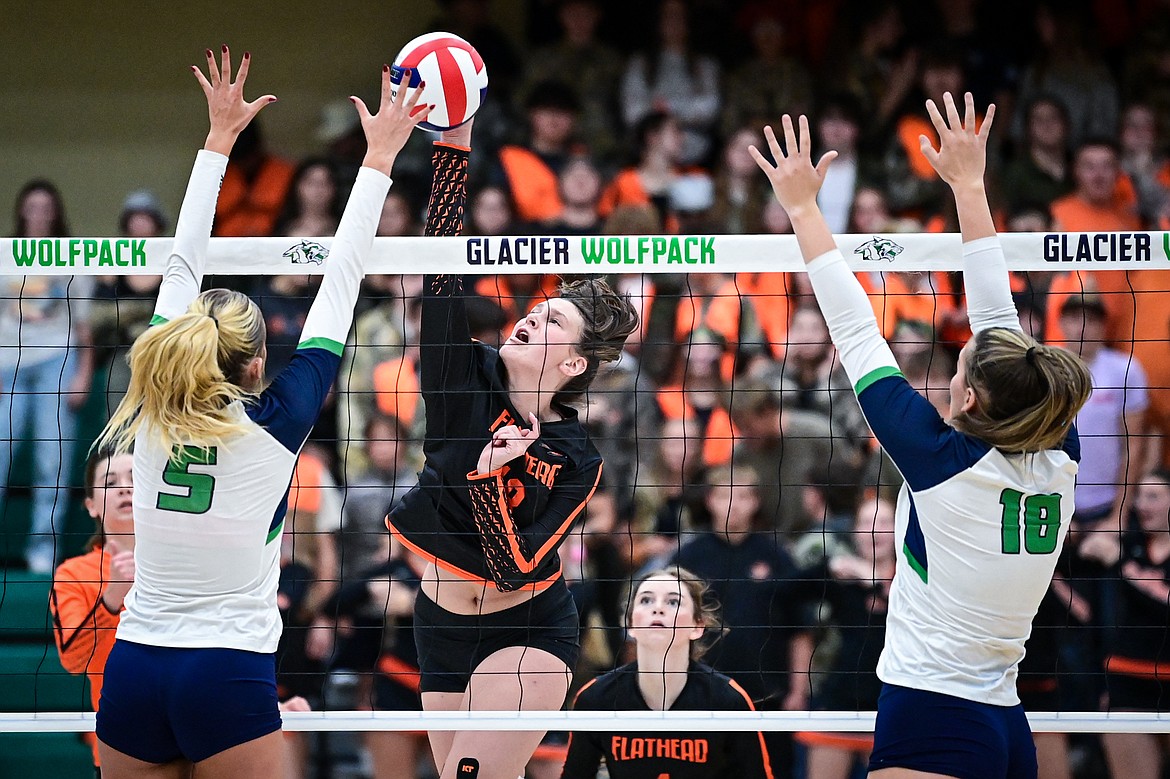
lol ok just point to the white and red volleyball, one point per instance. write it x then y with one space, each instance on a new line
455 76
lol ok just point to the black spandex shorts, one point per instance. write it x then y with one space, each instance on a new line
1134 693
450 646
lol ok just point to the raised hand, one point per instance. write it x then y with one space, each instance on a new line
387 131
962 156
459 136
794 178
121 575
226 107
508 443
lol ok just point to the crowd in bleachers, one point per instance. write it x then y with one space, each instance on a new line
732 439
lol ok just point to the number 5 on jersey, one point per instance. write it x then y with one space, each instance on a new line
1041 522
197 487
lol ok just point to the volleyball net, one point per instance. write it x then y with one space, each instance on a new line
729 344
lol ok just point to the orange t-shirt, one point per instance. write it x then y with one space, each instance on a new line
1072 214
535 188
396 389
720 313
626 190
1137 314
719 435
83 628
309 479
499 289
250 210
769 293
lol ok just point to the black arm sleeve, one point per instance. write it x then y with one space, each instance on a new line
446 351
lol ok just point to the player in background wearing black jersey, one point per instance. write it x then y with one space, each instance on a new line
1137 663
667 618
509 468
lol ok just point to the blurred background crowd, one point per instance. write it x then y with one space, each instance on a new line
733 442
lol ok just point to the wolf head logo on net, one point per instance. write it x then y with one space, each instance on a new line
305 252
879 249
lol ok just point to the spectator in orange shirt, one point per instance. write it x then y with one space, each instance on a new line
579 186
659 146
714 303
531 171
912 184
1104 199
254 187
88 590
698 391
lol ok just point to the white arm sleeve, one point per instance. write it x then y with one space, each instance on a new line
184 272
985 278
331 314
850 318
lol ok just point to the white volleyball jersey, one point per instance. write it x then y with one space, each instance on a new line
978 532
207 521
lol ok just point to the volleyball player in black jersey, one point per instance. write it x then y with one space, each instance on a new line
508 469
667 618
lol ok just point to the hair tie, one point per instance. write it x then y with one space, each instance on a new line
1030 356
213 319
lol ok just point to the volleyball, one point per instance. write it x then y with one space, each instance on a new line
455 76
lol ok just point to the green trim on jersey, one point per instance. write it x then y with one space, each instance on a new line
918 567
328 344
274 533
877 374
158 320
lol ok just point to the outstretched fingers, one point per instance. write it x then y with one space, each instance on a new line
969 111
952 112
761 160
212 67
411 102
936 118
242 74
790 143
202 79
988 118
826 160
387 97
225 68
360 105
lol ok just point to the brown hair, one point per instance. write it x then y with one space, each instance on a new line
185 373
609 319
706 612
1028 393
96 458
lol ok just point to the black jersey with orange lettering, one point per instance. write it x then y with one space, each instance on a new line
502 527
676 755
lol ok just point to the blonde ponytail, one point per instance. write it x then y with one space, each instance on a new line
185 375
1028 393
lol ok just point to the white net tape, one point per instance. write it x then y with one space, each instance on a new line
606 721
585 254
1050 252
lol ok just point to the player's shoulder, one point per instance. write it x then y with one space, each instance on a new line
723 693
82 568
608 691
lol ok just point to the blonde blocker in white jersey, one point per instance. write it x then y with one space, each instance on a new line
214 457
980 520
